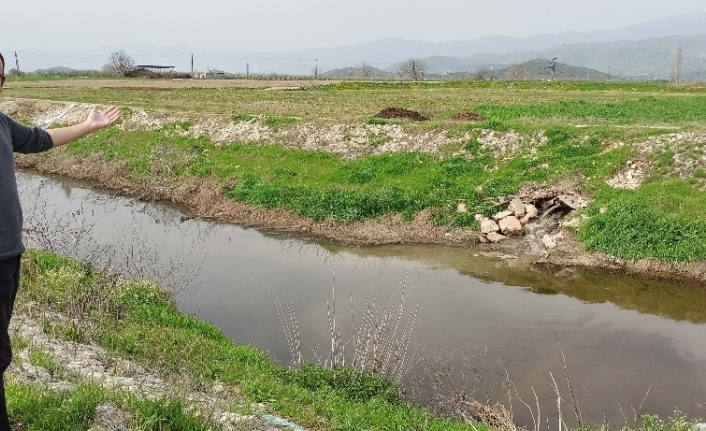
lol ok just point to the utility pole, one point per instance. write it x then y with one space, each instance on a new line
316 68
192 63
17 65
247 71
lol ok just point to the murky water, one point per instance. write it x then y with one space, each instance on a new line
622 336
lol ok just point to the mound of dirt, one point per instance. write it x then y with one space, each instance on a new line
468 116
401 113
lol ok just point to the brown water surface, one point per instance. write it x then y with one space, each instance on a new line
621 335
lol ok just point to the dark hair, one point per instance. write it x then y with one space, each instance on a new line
3 60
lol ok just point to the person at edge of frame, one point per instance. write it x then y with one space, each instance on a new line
16 138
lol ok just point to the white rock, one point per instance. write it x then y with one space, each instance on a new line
495 237
462 208
575 222
517 207
488 226
501 215
480 217
551 241
573 201
511 226
531 211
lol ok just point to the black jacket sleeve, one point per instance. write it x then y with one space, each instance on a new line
29 139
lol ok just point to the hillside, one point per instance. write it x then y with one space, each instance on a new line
646 59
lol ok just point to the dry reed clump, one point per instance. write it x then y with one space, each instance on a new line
381 340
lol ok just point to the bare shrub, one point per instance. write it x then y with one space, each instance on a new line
121 63
515 72
413 69
364 71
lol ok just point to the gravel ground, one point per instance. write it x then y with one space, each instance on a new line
80 362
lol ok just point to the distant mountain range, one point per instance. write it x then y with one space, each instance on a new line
642 49
643 59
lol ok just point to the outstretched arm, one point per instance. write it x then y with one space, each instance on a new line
96 120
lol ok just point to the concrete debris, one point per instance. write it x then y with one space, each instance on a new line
501 215
511 226
495 237
517 207
487 226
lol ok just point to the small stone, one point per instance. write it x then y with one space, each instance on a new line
549 241
495 237
573 201
482 239
531 211
603 210
524 220
517 207
480 217
488 226
462 208
575 222
501 215
511 226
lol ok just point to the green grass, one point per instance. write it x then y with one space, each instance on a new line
656 110
663 220
44 409
320 185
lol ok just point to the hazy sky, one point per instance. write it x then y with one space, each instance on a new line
284 25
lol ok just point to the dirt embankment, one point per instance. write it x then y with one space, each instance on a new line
203 198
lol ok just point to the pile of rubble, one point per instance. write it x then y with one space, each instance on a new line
512 222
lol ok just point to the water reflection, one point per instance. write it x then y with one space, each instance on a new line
620 334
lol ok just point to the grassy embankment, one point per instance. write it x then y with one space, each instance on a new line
136 320
663 218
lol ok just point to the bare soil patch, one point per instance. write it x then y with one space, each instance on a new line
389 113
468 116
146 83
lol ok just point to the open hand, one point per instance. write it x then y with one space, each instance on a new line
102 119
